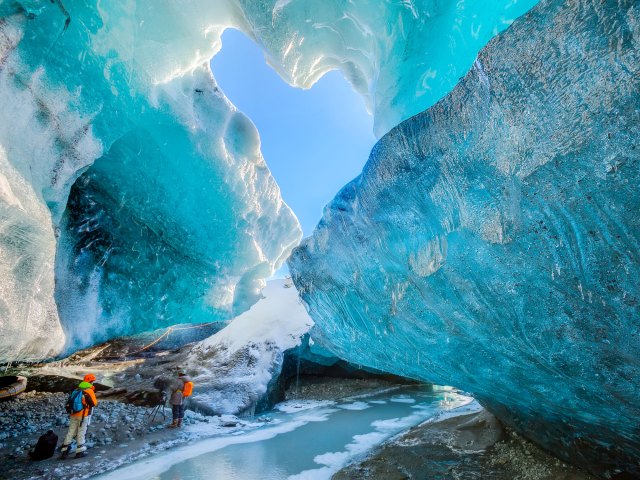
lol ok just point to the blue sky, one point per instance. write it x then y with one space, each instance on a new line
314 141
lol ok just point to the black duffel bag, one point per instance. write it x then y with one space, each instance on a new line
46 446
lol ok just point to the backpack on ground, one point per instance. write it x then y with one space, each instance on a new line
46 446
74 402
188 389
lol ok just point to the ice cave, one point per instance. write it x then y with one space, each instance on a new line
486 259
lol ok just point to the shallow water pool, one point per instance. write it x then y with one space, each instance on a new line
302 440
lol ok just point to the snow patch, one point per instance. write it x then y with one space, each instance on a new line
355 406
279 318
292 406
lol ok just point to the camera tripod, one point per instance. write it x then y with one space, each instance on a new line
157 408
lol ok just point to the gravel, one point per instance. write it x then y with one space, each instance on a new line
113 423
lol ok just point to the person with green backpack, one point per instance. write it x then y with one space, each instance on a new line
79 407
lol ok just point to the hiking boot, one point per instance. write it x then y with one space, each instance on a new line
179 425
173 424
81 454
64 454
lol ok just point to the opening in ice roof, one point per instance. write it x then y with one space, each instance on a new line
314 141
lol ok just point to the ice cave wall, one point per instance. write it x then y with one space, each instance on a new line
138 180
492 241
44 141
135 190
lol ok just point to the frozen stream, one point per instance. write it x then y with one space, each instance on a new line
303 440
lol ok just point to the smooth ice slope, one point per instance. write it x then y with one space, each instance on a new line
132 166
492 242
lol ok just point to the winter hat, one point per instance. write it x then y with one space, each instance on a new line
90 377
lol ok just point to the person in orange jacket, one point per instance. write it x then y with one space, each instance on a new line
182 389
79 406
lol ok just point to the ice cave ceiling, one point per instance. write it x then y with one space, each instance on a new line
490 243
134 194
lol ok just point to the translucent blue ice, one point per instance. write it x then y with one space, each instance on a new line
401 56
493 241
127 172
133 195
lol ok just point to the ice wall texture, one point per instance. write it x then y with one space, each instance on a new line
401 56
44 141
121 155
492 241
127 172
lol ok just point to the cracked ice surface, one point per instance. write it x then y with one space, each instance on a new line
492 242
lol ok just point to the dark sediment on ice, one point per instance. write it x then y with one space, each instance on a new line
56 383
466 447
330 380
133 373
312 387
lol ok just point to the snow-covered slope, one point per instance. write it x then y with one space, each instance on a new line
233 368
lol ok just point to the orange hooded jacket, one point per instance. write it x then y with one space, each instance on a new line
87 389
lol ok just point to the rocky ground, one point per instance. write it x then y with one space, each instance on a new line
123 429
467 447
329 388
119 433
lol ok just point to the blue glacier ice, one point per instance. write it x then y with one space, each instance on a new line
133 195
401 56
129 182
492 242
